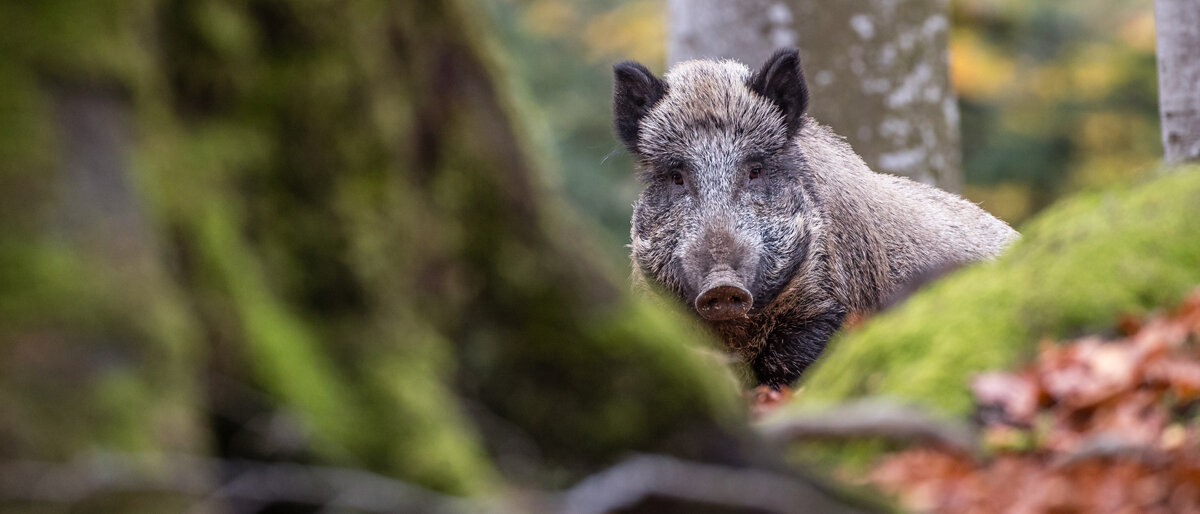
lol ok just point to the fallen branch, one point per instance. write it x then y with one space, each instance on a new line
1111 446
873 417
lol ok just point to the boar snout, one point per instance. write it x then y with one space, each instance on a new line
723 297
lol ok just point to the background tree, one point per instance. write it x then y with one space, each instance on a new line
1178 27
1054 97
877 71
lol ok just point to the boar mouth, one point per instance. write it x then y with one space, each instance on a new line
723 297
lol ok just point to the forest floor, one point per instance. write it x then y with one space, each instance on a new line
1090 425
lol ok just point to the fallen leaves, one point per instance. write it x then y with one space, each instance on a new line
1090 426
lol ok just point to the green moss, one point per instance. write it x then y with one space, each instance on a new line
127 403
687 383
23 136
426 437
120 381
280 347
1079 265
91 39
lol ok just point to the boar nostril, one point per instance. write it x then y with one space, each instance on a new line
723 302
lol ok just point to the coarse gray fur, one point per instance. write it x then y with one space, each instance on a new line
743 188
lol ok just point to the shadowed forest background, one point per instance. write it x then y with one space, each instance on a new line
368 256
1055 97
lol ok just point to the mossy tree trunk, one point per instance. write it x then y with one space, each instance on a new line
877 72
309 232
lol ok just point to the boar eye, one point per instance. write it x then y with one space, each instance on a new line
755 171
677 178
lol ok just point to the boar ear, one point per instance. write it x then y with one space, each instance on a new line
635 91
782 82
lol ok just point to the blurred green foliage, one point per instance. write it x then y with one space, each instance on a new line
1055 97
561 54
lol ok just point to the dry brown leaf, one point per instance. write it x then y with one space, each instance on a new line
1088 372
1014 396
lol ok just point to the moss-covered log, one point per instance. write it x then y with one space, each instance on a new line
1078 267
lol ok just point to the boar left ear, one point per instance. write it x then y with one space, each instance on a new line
635 91
782 82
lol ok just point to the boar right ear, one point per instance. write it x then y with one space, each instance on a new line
635 91
782 82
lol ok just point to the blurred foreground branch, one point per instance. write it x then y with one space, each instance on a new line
261 482
873 417
645 476
642 483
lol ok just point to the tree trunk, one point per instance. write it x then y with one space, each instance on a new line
1177 23
877 71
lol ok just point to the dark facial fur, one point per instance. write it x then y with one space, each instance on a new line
722 184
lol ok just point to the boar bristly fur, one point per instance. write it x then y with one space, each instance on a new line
766 223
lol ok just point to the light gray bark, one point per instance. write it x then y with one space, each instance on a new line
877 70
1178 25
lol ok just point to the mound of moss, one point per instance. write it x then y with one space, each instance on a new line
1078 266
